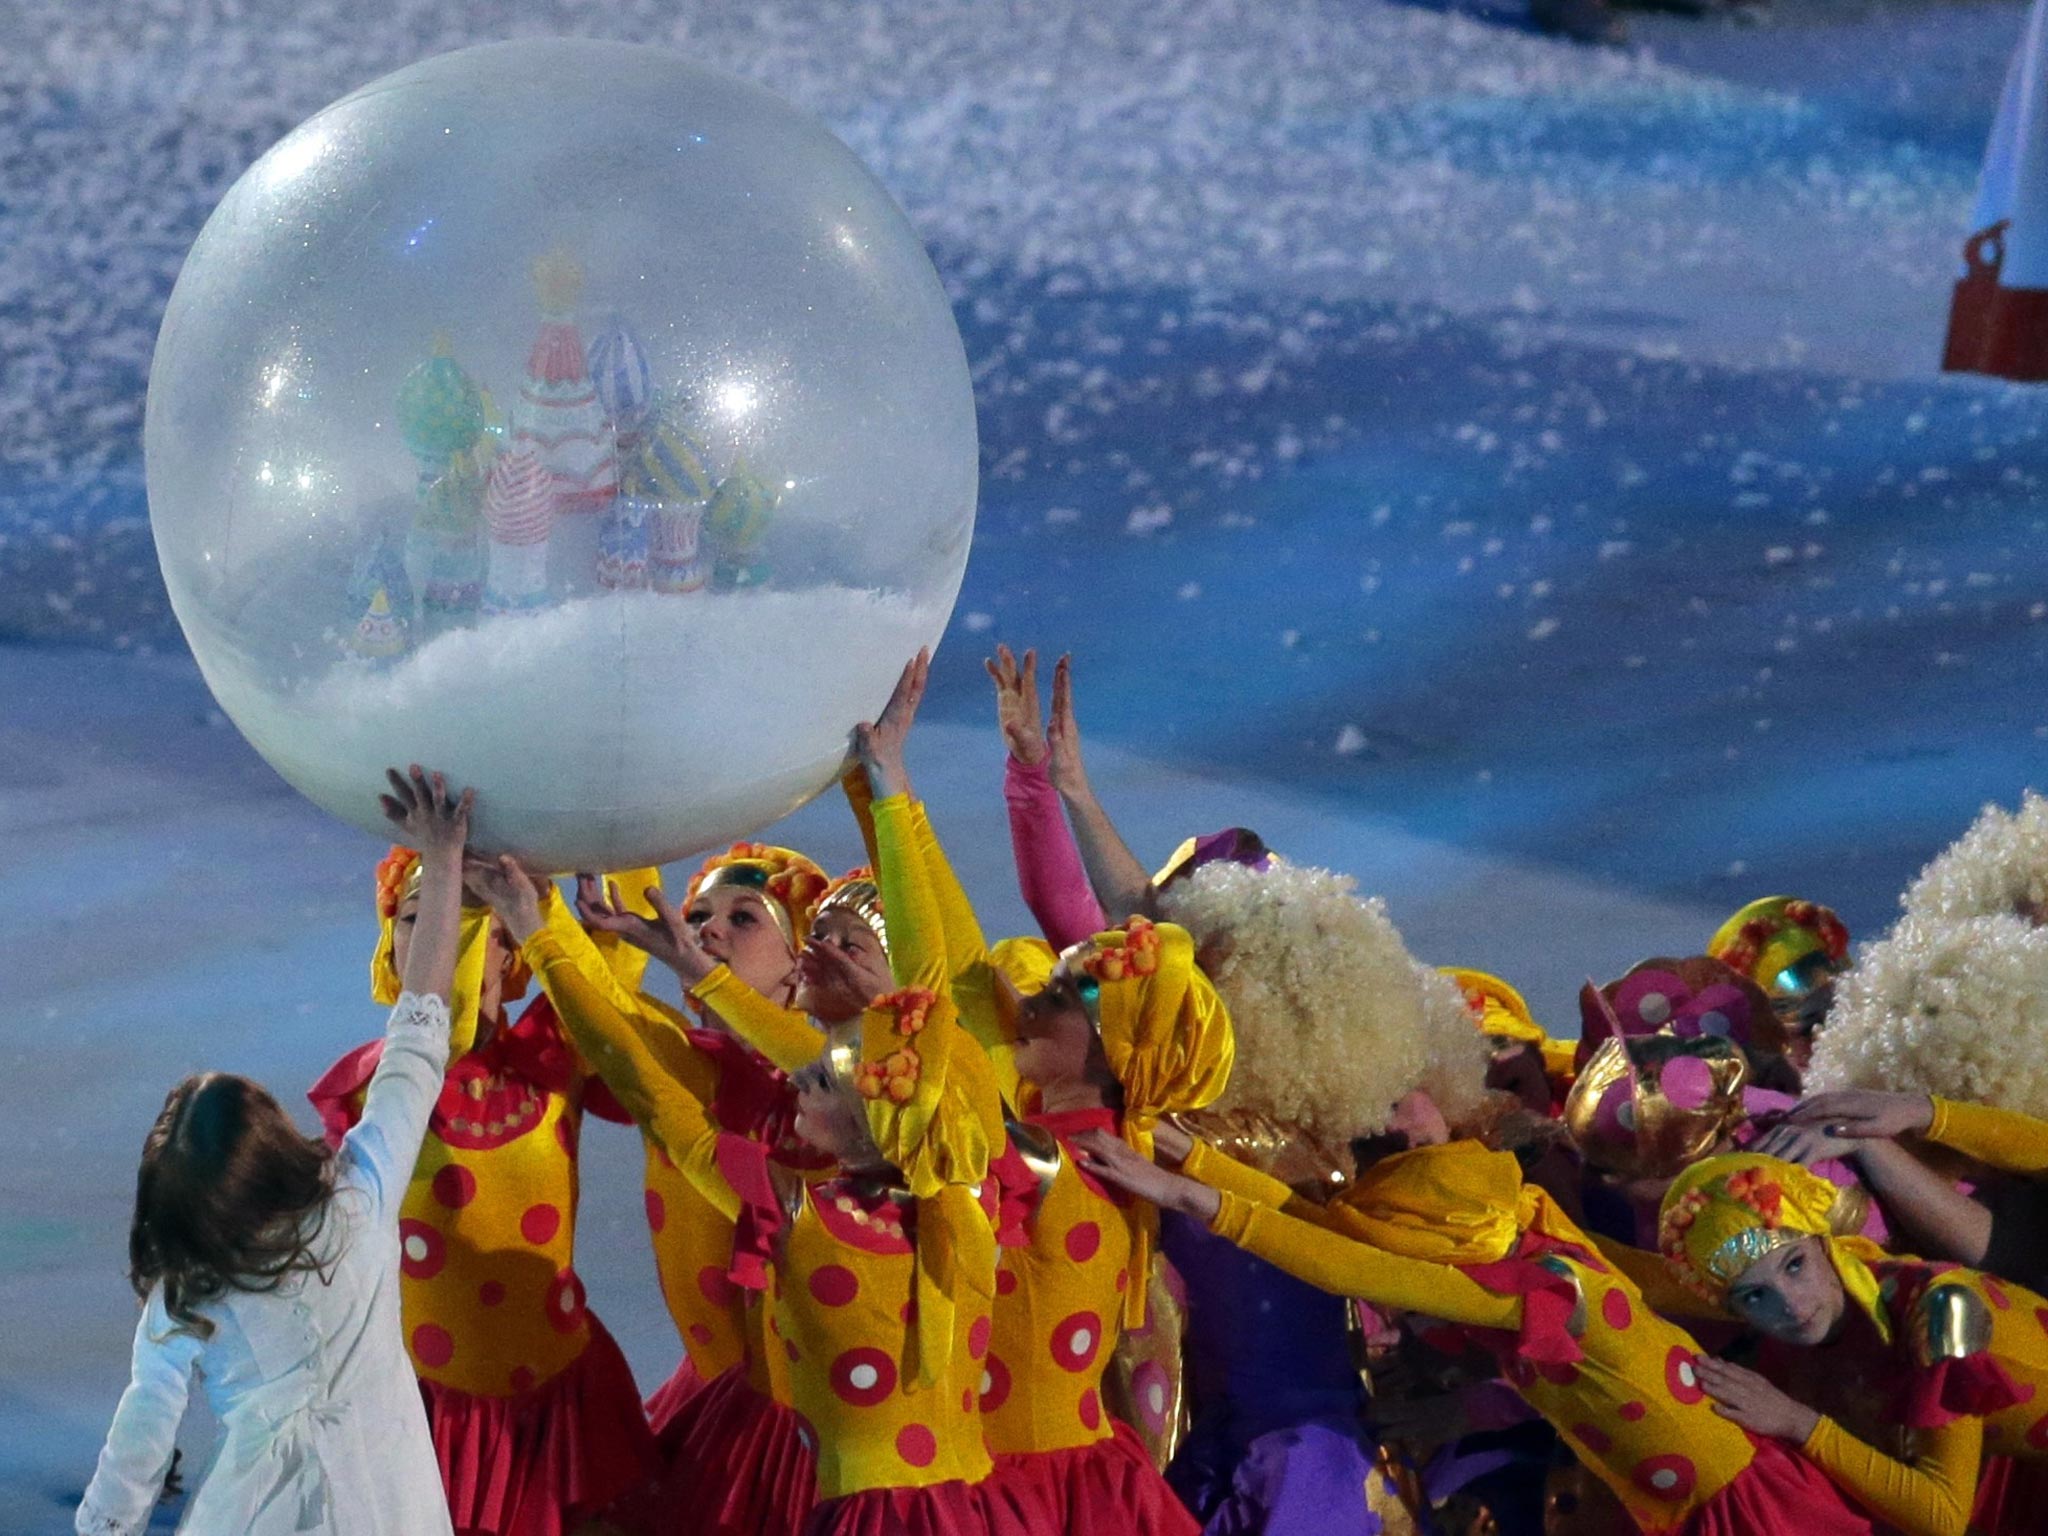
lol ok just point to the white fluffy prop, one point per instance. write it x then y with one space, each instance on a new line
1455 1070
2001 861
1958 1009
1330 1008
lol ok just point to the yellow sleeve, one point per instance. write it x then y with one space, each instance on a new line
663 1082
1653 1277
861 797
785 1036
965 945
2003 1139
1346 1268
608 972
626 962
1931 1496
1223 1172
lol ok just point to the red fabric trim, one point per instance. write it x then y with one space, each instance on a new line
1975 1386
334 1094
737 1464
1016 1196
943 1509
1548 1301
744 1165
1780 1493
1109 1488
542 1463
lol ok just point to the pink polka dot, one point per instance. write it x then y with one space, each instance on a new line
1006 1283
1082 1241
917 1445
565 1302
522 1379
1632 1412
421 1250
432 1346
834 1285
863 1377
491 1293
657 1211
566 1135
699 1334
1670 1477
791 1350
908 1312
1123 1281
1091 1410
715 1288
1998 1297
995 1384
454 1186
661 1156
1615 1309
977 1338
1558 1374
1593 1438
540 1223
1076 1341
1680 1377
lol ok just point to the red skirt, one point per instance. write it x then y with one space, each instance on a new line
1109 1488
2011 1496
737 1464
1780 1493
544 1462
943 1509
667 1402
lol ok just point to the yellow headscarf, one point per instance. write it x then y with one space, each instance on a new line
1165 1034
1458 1203
1767 938
1724 1213
935 1114
398 879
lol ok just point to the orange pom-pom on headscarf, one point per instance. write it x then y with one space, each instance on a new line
790 884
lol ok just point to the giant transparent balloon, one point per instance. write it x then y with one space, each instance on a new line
580 421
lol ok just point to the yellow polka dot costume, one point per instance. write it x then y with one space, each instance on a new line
1452 1233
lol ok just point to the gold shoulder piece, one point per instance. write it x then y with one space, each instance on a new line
790 1190
1952 1322
1576 1324
1040 1150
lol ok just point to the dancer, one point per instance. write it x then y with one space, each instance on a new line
1948 1364
1452 1232
536 1419
269 1264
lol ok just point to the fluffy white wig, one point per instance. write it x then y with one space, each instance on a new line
1958 1009
2001 861
1454 1069
1328 1003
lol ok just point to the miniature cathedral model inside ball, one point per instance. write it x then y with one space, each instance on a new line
579 421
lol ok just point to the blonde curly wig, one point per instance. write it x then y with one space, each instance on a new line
1958 1009
2001 861
1329 1005
1454 1071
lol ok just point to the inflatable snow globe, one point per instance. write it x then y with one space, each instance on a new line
574 419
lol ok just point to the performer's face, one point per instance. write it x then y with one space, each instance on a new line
497 953
842 969
735 926
1055 1036
1791 1293
828 1120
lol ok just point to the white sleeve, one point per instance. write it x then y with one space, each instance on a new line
130 1477
378 1154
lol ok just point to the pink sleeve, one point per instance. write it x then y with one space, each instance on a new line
1049 873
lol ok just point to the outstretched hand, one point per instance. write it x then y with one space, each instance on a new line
1802 1144
1862 1114
509 889
1114 1163
427 818
1017 707
1063 736
664 936
1753 1402
879 744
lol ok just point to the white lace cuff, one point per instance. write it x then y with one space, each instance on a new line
421 1011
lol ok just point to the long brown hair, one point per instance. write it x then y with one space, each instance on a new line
222 1197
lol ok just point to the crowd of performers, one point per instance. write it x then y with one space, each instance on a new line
1205 1208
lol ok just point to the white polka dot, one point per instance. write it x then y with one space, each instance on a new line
1655 1008
1625 1115
1686 1376
1083 1341
567 1302
988 1383
416 1248
862 1377
1155 1398
1663 1478
974 1190
1716 1023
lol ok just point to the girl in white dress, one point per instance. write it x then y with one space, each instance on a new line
268 1266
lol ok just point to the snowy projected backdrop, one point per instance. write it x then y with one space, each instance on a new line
576 420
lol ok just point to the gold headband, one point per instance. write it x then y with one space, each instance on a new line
1742 1249
863 898
755 878
840 1058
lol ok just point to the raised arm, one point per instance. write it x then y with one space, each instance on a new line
378 1154
1925 1211
2003 1139
1050 875
1121 884
130 1477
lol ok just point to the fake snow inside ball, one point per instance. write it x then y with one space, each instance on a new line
575 420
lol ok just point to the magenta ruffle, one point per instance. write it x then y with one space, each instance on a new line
1109 1488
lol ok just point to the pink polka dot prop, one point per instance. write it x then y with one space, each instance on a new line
1076 1341
1614 1308
432 1346
565 1303
995 1384
1091 1410
833 1285
454 1186
540 1223
657 1211
1670 1477
917 1445
863 1377
716 1287
421 1250
491 1293
1083 1240
1681 1377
